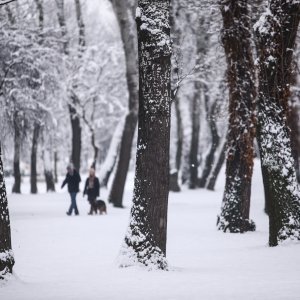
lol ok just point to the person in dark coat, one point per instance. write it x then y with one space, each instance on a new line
72 179
92 190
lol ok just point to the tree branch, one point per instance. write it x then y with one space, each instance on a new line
4 2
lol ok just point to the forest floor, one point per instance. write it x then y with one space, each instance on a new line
61 257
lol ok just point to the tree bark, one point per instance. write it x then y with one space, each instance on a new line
6 255
236 38
17 149
215 140
145 240
193 159
215 172
128 35
276 33
33 170
293 123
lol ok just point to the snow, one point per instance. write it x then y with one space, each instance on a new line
60 257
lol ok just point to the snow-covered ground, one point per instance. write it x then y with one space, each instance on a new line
61 257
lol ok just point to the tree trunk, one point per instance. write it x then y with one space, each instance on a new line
215 140
110 160
75 120
6 255
128 35
50 184
176 35
48 171
275 74
215 172
145 240
236 38
194 163
76 134
33 170
55 166
293 123
81 26
174 176
17 149
118 185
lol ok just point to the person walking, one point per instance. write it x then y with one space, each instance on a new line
72 179
92 190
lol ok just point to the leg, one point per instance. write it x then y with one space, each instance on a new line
95 206
69 212
75 204
91 208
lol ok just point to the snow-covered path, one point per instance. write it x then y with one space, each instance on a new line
61 257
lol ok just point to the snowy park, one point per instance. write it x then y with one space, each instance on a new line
61 257
149 149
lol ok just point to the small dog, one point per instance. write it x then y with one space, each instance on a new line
101 206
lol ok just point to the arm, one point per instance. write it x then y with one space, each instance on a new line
85 188
64 182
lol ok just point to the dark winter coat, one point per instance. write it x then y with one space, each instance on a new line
72 181
94 192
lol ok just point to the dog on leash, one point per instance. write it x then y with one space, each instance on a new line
100 206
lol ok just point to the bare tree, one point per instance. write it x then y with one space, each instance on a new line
276 33
145 240
6 254
236 38
128 34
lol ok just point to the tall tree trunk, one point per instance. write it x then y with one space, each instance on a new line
193 159
276 32
145 240
215 140
293 123
128 35
81 27
6 255
48 171
217 168
36 126
176 35
33 164
174 177
201 45
257 7
110 160
74 118
17 150
236 38
55 167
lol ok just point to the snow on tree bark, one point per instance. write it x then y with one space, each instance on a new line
236 38
145 240
276 33
6 254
